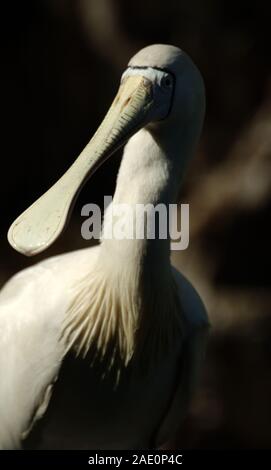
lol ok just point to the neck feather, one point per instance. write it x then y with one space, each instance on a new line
130 298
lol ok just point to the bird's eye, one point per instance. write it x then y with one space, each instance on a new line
166 81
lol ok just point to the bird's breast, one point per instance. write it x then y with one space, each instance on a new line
88 412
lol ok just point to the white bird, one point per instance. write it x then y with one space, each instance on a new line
122 330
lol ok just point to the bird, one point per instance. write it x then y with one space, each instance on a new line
102 347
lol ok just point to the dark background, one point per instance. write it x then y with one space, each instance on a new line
61 61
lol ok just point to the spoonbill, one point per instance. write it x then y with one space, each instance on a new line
120 328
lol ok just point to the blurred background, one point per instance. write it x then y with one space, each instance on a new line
61 64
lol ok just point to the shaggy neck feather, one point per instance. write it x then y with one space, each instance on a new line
129 299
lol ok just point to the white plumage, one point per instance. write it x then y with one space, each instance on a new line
120 303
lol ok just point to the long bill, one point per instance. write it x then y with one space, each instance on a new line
42 223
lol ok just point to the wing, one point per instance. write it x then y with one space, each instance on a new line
32 310
30 353
192 355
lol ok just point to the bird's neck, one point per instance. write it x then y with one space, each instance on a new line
146 181
130 296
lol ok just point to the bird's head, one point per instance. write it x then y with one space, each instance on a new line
161 89
176 84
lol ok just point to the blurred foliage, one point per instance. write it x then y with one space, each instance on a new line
61 62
